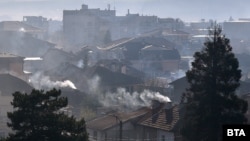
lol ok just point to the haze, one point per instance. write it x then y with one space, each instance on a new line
187 10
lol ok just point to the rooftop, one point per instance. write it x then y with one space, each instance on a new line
164 119
8 55
18 26
108 121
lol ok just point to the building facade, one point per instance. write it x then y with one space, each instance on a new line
94 26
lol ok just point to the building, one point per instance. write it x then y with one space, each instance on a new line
23 44
155 56
11 64
94 26
237 30
8 85
37 21
159 123
110 80
16 26
115 126
86 26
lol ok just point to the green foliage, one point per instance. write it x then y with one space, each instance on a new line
37 117
211 100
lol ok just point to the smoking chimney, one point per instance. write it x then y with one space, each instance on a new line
156 106
169 112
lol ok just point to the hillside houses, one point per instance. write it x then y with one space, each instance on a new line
99 53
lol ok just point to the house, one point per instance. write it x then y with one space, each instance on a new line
159 58
154 55
176 36
159 123
179 86
55 57
8 85
115 126
121 66
12 64
23 44
68 71
110 80
17 26
37 21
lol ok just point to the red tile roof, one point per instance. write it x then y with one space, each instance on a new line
162 119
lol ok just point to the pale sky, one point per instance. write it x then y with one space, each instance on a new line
187 10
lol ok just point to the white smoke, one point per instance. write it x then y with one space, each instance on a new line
80 63
40 81
94 85
132 100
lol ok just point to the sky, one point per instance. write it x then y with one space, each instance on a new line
187 10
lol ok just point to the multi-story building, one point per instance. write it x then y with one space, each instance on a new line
94 26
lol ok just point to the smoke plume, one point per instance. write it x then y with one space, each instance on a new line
40 81
132 100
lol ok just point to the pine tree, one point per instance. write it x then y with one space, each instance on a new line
211 100
37 117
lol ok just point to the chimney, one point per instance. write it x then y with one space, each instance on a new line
169 112
128 12
156 107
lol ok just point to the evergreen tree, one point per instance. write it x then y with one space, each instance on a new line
37 117
211 100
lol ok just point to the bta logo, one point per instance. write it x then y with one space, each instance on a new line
235 132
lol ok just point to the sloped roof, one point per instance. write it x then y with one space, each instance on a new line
164 119
8 55
18 26
116 43
168 32
152 52
181 82
110 78
10 84
23 44
131 71
151 47
143 40
156 41
58 52
108 121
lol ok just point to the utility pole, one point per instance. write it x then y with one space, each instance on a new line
120 126
120 130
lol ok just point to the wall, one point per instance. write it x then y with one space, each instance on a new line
128 132
164 135
5 107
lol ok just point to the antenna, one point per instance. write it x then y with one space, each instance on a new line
114 4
